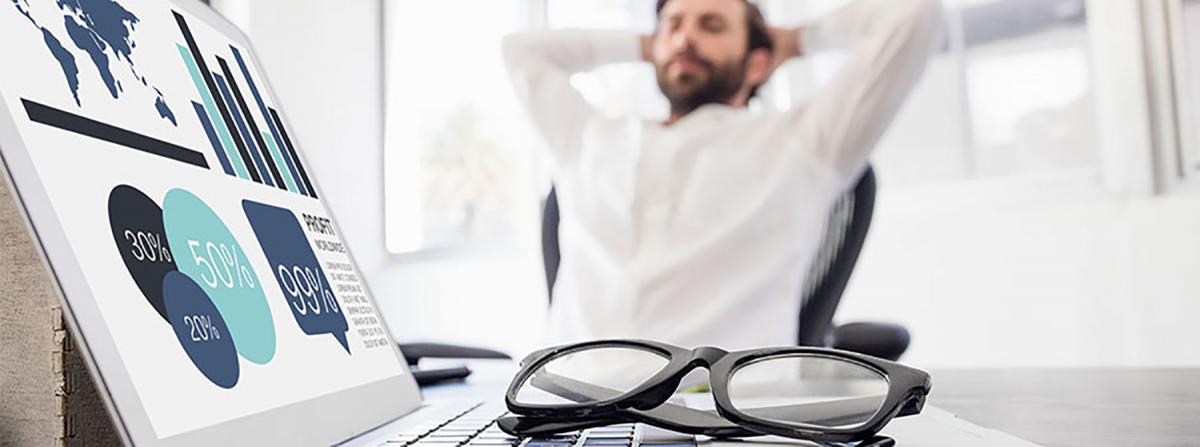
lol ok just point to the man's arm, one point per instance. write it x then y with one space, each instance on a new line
889 43
540 66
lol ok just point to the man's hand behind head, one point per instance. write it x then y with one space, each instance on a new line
787 46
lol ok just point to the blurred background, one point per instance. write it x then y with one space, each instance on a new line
1037 206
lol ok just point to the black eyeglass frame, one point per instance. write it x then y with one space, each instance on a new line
907 390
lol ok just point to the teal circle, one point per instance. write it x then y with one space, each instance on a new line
206 251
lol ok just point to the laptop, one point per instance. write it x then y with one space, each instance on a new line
204 277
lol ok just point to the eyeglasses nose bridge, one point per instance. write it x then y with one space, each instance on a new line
707 356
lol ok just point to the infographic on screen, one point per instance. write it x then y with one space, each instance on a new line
219 273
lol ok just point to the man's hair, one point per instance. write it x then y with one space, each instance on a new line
756 25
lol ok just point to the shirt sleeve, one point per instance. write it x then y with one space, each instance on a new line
888 43
540 65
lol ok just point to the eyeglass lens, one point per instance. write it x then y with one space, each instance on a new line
590 375
808 389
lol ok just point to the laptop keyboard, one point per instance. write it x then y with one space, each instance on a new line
475 426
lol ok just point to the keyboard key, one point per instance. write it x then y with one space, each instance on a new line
611 431
484 423
622 435
537 443
459 430
446 437
417 431
607 442
652 435
486 435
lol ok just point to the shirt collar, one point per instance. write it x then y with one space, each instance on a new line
711 112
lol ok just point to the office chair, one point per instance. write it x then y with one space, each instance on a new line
849 220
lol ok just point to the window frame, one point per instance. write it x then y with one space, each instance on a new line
1174 108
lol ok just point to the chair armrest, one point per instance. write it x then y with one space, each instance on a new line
883 340
414 352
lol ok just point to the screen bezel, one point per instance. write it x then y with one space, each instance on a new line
328 419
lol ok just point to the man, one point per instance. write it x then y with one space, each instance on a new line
698 230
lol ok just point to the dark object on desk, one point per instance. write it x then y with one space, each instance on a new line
435 376
414 352
849 220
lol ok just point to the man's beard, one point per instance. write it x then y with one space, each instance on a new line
687 93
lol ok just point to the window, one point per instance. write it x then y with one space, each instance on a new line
455 160
461 171
1010 92
1172 29
1187 23
1029 85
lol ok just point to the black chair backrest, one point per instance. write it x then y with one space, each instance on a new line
845 232
550 252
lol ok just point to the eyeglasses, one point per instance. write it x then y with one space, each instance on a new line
813 394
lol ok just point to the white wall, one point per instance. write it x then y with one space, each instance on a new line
325 64
1039 271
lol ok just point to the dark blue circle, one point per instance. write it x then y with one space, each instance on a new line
201 329
137 223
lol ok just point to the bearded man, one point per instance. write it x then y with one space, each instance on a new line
697 230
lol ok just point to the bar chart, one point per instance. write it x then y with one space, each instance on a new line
245 149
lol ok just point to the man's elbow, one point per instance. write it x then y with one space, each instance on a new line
516 48
927 14
923 22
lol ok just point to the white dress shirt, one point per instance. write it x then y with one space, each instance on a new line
700 233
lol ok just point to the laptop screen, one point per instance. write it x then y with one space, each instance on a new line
217 271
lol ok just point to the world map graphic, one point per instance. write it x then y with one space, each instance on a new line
103 31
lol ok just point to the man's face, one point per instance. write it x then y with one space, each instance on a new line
700 51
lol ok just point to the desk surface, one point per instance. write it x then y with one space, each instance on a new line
1047 407
1078 407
